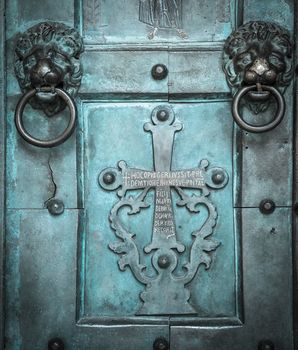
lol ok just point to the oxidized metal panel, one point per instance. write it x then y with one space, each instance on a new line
62 278
132 144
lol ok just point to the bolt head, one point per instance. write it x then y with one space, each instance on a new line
164 261
267 206
56 344
218 177
55 206
266 345
161 344
109 178
162 115
159 72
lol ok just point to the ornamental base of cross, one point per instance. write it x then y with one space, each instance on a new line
166 292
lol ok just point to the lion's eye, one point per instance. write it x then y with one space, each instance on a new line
246 60
276 61
51 53
30 61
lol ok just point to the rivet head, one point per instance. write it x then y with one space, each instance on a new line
267 206
162 115
55 206
159 72
218 177
109 178
160 344
164 261
56 344
266 345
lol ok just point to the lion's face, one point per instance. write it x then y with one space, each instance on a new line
48 55
258 52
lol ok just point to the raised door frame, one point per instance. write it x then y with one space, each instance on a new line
2 174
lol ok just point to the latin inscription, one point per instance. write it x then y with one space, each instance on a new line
163 216
140 179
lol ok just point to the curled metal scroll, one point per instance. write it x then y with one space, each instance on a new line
45 143
258 128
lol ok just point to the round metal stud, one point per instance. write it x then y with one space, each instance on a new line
55 206
160 344
267 206
218 177
56 344
266 345
109 178
159 72
164 261
162 115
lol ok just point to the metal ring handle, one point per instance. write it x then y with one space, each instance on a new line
45 143
261 128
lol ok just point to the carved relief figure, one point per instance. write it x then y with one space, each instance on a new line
162 14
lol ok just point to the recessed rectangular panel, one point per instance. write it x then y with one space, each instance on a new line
149 22
122 72
122 231
197 72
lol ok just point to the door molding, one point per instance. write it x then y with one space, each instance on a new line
295 185
2 164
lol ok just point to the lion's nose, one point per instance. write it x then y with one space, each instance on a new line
260 71
260 66
45 73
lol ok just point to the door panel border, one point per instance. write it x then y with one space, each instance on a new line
2 163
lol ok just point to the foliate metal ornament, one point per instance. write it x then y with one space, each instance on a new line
164 245
256 54
48 54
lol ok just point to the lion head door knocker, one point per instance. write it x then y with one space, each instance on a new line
49 73
258 66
